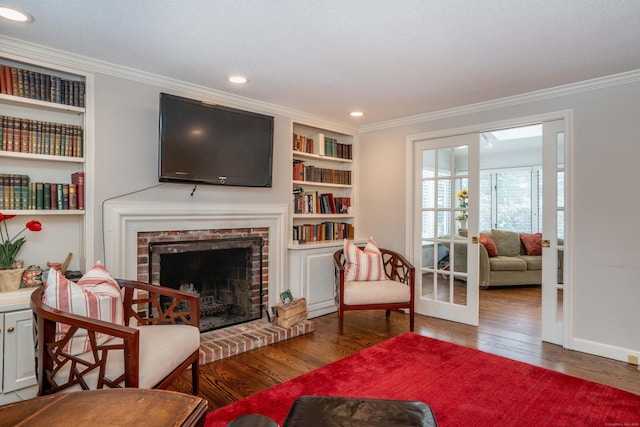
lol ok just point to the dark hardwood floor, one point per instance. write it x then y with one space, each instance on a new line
509 326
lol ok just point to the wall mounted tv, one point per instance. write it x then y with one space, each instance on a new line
210 144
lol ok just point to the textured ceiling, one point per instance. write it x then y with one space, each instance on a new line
388 58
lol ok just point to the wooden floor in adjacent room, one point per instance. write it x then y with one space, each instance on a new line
509 326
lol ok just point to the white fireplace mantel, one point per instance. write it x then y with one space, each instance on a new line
123 219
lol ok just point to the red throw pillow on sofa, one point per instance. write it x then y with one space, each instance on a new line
489 244
532 243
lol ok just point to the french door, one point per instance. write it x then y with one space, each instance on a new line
446 197
554 294
446 234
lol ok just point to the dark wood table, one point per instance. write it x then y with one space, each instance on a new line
110 407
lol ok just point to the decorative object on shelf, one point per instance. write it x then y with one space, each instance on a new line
10 279
463 201
57 266
286 296
32 276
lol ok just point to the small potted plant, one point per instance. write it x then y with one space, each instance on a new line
11 269
463 201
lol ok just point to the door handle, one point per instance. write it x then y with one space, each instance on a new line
546 243
474 240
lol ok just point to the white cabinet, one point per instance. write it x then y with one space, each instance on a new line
17 377
322 212
45 115
311 275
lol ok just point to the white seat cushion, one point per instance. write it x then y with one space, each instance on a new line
376 292
162 349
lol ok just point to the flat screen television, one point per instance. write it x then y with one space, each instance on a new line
210 144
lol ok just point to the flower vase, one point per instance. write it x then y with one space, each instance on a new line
462 223
10 279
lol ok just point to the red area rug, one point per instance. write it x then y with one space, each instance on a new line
463 387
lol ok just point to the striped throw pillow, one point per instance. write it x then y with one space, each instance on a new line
96 295
363 265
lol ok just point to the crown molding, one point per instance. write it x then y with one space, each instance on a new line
53 57
569 89
45 55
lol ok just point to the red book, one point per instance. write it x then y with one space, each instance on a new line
77 178
3 80
54 196
7 80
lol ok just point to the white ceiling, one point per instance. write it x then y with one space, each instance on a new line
388 58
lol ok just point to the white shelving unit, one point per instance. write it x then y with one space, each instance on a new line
311 253
64 231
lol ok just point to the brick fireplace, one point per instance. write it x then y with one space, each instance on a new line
125 219
228 268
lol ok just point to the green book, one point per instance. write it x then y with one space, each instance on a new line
46 195
39 195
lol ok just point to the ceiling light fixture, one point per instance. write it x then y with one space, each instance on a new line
15 15
356 114
237 79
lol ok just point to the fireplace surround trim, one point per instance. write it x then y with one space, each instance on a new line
123 219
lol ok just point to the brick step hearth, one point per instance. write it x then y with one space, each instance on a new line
221 343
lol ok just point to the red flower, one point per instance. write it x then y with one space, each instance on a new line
10 246
34 225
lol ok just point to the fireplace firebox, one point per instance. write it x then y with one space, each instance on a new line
226 274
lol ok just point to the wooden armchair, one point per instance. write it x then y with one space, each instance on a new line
145 352
397 292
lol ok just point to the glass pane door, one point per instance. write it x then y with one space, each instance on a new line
447 210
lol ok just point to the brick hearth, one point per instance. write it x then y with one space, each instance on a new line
233 340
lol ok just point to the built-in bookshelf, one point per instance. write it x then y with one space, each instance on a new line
322 185
323 212
43 152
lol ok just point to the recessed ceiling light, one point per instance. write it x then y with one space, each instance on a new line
356 114
237 79
15 15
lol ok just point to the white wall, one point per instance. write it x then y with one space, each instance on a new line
605 247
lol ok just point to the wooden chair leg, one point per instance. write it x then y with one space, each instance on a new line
195 378
411 320
341 320
388 313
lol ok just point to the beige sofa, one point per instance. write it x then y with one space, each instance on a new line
511 267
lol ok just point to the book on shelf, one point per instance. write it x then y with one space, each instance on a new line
42 87
303 144
77 178
54 196
18 192
37 137
329 204
311 173
39 203
3 80
326 231
73 196
59 197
